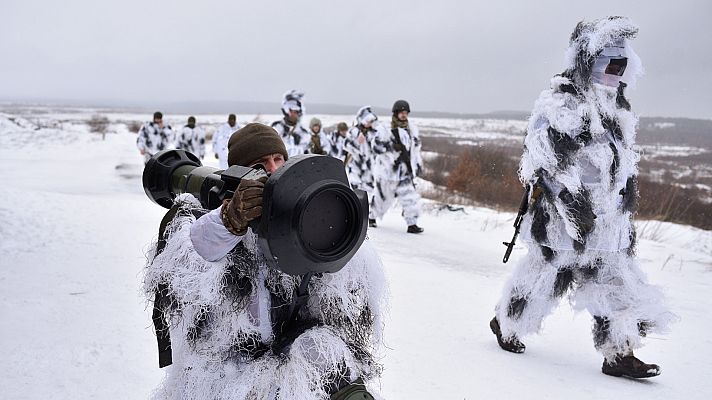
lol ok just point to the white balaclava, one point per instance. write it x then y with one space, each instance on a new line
365 115
610 64
594 45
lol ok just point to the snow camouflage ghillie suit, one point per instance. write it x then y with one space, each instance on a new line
152 139
578 152
398 171
295 137
362 170
224 316
192 140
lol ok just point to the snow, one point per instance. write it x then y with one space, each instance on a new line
76 223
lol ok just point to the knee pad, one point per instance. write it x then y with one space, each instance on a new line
356 390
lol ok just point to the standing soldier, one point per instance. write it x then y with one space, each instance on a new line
359 144
289 128
338 139
400 162
222 136
580 169
192 138
154 136
318 143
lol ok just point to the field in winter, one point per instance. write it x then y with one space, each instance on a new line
75 224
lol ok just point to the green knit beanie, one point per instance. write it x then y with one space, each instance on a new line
253 141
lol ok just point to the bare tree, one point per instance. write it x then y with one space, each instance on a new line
98 124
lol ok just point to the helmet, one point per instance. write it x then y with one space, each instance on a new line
314 122
342 126
400 105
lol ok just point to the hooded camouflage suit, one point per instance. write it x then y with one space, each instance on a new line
579 153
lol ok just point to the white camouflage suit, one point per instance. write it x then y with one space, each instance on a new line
396 173
362 170
152 139
220 139
192 140
579 150
295 137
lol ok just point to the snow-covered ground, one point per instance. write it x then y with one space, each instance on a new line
75 223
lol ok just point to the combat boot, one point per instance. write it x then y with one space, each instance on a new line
512 344
630 366
415 229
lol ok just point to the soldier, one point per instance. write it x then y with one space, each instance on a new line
221 137
580 167
338 139
289 128
361 170
192 138
227 308
318 143
398 157
154 136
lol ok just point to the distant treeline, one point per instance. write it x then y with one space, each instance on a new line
487 175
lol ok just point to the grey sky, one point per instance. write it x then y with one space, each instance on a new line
466 56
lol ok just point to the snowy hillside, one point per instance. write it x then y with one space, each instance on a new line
76 223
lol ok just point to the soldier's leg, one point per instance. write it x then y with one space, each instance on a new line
321 362
409 200
533 291
625 307
383 197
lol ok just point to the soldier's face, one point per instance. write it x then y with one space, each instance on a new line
316 128
271 162
158 121
344 132
293 115
402 116
231 121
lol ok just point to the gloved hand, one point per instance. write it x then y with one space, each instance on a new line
244 206
216 156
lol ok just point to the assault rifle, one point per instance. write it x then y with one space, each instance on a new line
404 155
523 208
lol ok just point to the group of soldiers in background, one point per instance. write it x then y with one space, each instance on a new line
381 161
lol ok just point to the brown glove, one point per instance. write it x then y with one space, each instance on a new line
244 206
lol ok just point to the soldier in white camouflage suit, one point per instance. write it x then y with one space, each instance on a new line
580 166
338 140
362 169
231 325
192 138
289 128
221 137
154 136
399 162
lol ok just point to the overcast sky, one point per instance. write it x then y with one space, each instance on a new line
457 56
